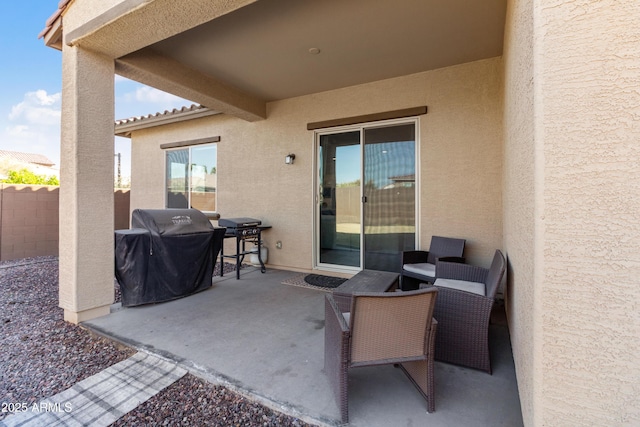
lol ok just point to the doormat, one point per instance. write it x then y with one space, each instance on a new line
315 281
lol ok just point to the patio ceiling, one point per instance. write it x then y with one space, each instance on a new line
264 51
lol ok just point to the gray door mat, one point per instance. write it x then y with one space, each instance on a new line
104 397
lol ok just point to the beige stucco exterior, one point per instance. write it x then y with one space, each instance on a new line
461 132
520 207
86 191
571 202
535 152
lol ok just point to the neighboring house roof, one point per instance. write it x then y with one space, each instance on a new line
36 159
124 127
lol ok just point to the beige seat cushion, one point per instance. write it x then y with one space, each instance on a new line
462 285
422 268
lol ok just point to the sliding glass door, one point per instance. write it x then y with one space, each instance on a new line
366 206
389 195
340 211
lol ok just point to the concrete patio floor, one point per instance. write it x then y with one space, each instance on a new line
266 341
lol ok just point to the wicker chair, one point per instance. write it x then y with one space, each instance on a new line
466 295
420 266
381 328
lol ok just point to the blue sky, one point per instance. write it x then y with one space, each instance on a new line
31 82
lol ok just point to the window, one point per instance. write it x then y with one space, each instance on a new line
192 177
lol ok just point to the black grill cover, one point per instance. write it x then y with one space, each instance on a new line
168 254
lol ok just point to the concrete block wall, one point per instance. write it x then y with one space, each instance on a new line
29 219
121 212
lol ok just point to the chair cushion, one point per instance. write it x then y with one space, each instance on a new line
477 288
423 268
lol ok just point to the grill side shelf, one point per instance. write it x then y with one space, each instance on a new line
242 235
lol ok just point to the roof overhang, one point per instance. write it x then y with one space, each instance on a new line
235 56
52 32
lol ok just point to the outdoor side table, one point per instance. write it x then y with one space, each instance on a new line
364 281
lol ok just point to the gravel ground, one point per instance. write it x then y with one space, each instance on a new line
41 355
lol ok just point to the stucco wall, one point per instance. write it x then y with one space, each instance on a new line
571 202
587 125
520 160
460 158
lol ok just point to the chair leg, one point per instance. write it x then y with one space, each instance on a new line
336 351
338 379
344 396
421 375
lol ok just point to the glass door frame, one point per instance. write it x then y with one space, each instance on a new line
360 127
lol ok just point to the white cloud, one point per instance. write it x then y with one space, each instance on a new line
135 99
20 131
154 96
37 108
33 125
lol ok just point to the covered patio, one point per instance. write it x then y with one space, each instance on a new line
265 340
529 146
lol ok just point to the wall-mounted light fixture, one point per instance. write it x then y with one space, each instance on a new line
289 159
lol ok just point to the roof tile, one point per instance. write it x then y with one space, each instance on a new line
38 159
62 5
166 113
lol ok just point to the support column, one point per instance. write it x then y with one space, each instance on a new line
86 185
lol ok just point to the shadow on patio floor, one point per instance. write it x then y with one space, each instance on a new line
266 340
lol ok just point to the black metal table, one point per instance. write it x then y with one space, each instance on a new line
240 253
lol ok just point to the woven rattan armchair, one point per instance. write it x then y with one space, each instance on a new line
420 266
465 299
381 328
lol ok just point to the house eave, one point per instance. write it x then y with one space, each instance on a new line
53 35
125 127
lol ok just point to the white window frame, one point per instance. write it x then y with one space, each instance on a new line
361 127
188 147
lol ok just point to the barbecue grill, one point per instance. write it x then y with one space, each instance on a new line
243 230
168 254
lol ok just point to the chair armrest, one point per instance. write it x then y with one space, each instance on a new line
414 257
432 339
458 259
333 314
458 271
